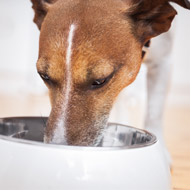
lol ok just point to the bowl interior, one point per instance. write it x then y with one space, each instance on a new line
32 128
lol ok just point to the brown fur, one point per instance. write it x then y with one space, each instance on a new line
108 39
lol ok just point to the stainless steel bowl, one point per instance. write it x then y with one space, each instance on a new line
32 129
126 158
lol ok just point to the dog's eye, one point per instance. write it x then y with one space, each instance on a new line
45 77
100 82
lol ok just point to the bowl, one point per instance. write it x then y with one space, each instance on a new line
126 159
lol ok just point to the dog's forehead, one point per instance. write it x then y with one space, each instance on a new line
92 17
100 36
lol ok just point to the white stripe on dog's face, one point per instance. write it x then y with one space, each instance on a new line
68 69
59 132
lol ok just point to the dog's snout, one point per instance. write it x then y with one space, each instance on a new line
55 130
55 138
73 131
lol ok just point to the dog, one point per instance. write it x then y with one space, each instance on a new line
89 51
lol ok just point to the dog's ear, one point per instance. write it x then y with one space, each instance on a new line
152 17
41 8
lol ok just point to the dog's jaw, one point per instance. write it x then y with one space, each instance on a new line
104 122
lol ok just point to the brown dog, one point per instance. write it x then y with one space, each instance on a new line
89 51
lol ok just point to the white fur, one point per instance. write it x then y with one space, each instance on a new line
59 132
68 70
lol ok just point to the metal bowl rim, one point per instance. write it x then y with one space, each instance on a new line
71 147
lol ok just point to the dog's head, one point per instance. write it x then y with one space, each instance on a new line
89 51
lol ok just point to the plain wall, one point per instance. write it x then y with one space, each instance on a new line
18 48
